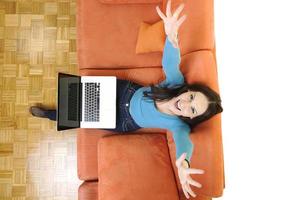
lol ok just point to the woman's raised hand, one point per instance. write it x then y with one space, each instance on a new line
171 23
185 178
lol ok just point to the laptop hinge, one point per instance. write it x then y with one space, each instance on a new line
80 101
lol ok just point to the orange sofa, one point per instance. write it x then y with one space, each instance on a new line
141 164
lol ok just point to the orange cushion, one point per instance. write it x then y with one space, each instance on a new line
151 38
129 1
88 190
135 166
87 140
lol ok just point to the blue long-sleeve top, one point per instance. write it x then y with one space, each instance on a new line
145 114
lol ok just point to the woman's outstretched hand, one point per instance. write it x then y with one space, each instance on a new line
170 22
185 178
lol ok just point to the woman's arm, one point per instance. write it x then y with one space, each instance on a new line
171 23
183 143
174 40
184 150
171 55
170 63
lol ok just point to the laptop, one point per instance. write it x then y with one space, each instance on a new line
86 102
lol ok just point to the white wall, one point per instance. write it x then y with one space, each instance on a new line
258 54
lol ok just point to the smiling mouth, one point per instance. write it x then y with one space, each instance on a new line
176 105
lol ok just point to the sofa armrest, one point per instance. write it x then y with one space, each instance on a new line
129 1
135 166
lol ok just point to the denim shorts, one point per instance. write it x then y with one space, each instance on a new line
124 121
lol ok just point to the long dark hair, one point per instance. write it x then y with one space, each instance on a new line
164 93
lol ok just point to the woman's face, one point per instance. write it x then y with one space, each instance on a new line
189 104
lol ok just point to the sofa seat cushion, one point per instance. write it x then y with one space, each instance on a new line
107 34
129 1
87 140
137 166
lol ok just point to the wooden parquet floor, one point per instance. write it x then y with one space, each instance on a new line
37 40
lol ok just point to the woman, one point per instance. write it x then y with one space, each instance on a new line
172 104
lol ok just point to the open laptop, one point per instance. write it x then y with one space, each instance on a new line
86 102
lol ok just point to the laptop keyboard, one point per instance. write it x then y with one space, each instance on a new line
92 102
